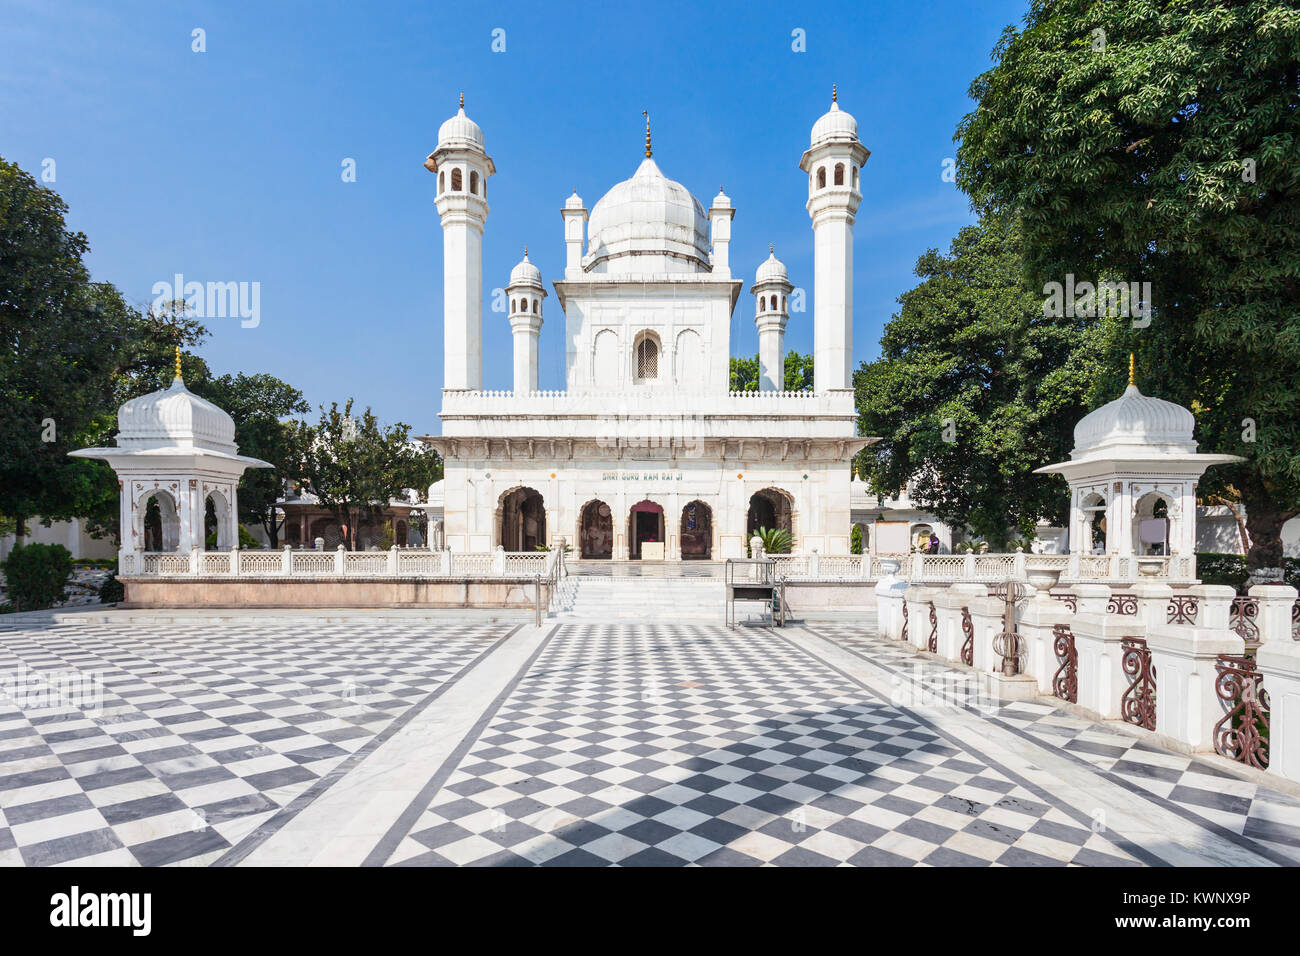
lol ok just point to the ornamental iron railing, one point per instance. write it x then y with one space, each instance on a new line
933 644
1242 733
1242 619
1065 682
1138 705
968 638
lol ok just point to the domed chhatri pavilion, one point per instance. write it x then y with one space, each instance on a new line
646 453
178 449
1132 477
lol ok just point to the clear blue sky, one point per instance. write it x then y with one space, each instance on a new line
225 165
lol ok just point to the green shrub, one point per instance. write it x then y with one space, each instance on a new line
855 540
246 539
111 591
1215 568
37 575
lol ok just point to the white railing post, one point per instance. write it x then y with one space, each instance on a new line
499 560
1097 638
968 566
196 561
1279 662
1274 618
1018 565
234 562
444 562
864 565
339 560
392 561
286 560
815 565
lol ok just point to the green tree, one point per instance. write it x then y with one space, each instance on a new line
798 373
260 405
355 466
1158 143
975 388
65 342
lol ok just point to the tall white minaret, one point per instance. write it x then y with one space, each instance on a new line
831 163
526 293
462 167
772 287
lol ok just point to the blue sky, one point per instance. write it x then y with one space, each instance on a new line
225 165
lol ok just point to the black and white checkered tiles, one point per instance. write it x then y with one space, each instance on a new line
1264 820
202 733
640 745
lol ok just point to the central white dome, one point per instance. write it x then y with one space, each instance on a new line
174 416
648 224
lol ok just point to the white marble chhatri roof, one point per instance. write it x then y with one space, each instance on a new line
649 214
1135 419
460 131
835 125
173 417
526 274
771 269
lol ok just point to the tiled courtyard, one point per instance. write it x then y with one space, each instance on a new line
384 740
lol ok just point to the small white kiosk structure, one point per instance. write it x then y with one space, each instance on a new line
180 450
1134 463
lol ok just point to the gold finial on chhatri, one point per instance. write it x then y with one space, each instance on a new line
834 93
771 249
525 252
1132 369
462 100
648 151
178 361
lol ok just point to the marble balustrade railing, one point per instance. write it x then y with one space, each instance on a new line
395 562
1175 664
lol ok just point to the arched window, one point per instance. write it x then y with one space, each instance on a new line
773 303
473 181
647 357
536 308
514 304
442 181
456 180
782 302
821 178
839 174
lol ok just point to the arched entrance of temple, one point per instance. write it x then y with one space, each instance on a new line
521 516
697 532
771 508
645 522
596 531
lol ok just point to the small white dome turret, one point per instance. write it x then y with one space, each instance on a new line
771 269
460 132
836 124
1135 419
525 274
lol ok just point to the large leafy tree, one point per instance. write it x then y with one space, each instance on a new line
355 466
66 346
798 373
975 388
1158 143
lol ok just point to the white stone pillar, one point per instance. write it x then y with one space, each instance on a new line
1279 662
720 216
771 352
1274 618
575 218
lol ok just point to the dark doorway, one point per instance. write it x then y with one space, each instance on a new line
523 520
697 532
645 523
596 531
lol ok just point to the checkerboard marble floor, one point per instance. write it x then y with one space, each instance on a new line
579 743
1199 789
194 736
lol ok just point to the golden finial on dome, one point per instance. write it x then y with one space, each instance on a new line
648 151
771 250
834 93
525 252
178 362
1132 369
462 100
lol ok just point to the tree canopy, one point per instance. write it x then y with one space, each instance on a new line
798 373
975 388
1157 143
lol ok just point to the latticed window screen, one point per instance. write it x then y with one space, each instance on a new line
647 359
